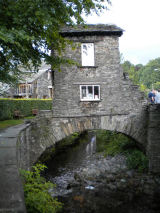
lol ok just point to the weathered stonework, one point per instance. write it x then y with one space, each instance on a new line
118 96
46 130
153 148
34 139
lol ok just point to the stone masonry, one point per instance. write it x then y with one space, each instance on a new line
153 146
117 96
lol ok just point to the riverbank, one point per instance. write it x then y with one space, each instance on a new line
93 183
106 185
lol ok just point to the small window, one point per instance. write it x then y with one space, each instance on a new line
49 75
87 50
89 92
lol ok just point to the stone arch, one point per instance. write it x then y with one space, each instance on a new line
46 130
130 125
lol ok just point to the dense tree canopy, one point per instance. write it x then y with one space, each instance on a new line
147 76
150 74
29 28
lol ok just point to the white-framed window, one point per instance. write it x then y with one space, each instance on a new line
89 92
87 51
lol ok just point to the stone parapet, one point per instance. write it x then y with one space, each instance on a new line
153 148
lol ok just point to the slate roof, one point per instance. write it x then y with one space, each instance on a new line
97 29
29 76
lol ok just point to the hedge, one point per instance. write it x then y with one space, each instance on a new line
25 106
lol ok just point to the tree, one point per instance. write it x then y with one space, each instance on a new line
30 28
126 65
132 70
147 77
150 74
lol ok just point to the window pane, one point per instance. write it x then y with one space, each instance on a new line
90 89
96 92
84 93
90 92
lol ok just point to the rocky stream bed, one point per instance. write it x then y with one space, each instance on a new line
91 183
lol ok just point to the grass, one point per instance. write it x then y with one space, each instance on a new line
9 123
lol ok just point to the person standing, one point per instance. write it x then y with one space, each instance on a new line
157 97
151 96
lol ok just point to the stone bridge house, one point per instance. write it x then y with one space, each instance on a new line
93 94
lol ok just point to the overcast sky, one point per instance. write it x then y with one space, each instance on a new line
140 19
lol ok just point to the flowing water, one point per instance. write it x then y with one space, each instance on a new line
89 183
63 167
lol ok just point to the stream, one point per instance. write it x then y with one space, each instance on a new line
88 182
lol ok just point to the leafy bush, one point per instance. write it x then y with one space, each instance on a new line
25 106
103 137
137 160
112 143
37 197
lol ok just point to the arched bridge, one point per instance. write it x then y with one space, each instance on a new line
47 130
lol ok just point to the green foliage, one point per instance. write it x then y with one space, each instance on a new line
75 135
68 141
25 106
36 192
147 76
132 70
103 138
113 143
143 87
150 74
30 28
137 160
156 85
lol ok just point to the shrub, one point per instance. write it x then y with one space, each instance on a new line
25 106
103 137
112 143
37 197
137 160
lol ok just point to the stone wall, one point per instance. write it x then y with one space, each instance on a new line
153 148
34 140
118 95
